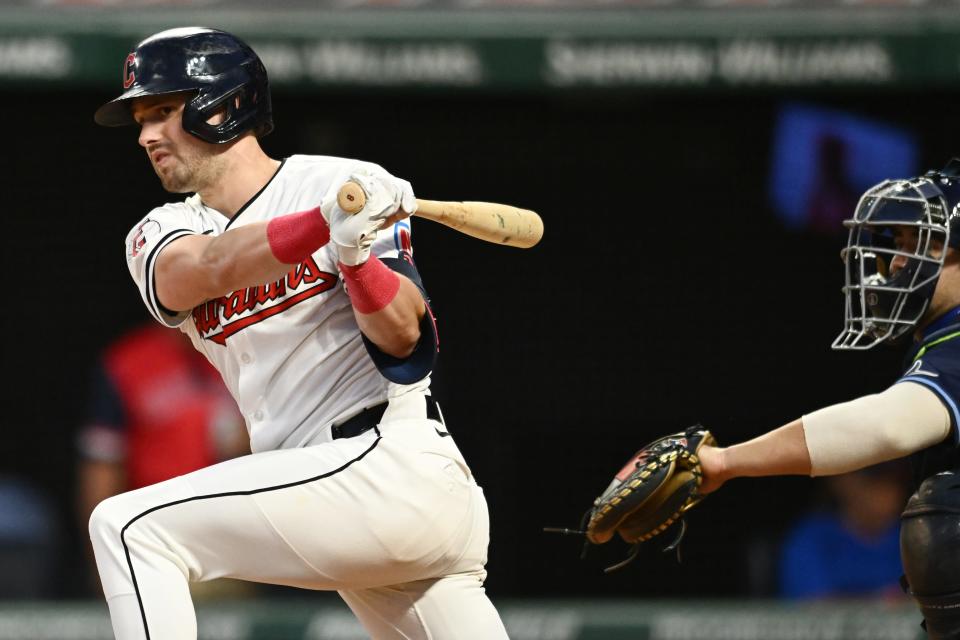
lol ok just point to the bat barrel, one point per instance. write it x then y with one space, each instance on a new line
490 221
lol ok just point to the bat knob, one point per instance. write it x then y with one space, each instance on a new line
351 197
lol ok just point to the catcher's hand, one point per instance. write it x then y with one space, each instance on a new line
656 487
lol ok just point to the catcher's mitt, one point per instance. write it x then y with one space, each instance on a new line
656 487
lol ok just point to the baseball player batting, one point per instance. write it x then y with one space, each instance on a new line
320 326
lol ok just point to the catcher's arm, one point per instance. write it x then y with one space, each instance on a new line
782 451
905 418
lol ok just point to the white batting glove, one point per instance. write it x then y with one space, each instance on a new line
354 234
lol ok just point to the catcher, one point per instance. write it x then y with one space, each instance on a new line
902 264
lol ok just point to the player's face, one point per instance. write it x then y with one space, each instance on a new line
905 239
946 295
183 162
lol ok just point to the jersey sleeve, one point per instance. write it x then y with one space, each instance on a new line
144 243
939 371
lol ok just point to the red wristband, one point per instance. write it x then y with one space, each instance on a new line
371 285
294 237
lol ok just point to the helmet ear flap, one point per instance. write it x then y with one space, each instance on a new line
233 94
201 109
249 100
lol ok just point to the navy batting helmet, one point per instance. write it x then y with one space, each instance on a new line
220 69
883 303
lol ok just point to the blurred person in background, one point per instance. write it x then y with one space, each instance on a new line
851 548
833 195
30 539
156 409
902 280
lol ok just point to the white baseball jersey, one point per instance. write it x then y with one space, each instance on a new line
290 351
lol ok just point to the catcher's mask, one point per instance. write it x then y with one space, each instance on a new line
220 70
898 240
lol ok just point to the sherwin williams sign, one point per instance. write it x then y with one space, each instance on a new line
511 48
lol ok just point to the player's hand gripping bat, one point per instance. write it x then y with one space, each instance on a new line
497 223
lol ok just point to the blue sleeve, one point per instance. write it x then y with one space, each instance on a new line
418 364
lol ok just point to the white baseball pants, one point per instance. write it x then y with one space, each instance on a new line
391 519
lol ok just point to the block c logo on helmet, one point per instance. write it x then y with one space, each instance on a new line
129 77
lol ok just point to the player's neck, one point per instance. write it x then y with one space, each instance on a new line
248 170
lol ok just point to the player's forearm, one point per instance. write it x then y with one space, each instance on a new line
241 257
782 451
395 328
197 267
268 249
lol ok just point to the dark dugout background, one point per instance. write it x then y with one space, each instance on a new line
665 292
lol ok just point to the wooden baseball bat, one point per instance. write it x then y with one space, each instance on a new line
497 223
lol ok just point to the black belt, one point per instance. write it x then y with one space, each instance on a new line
370 417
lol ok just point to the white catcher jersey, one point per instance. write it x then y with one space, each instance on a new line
289 351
